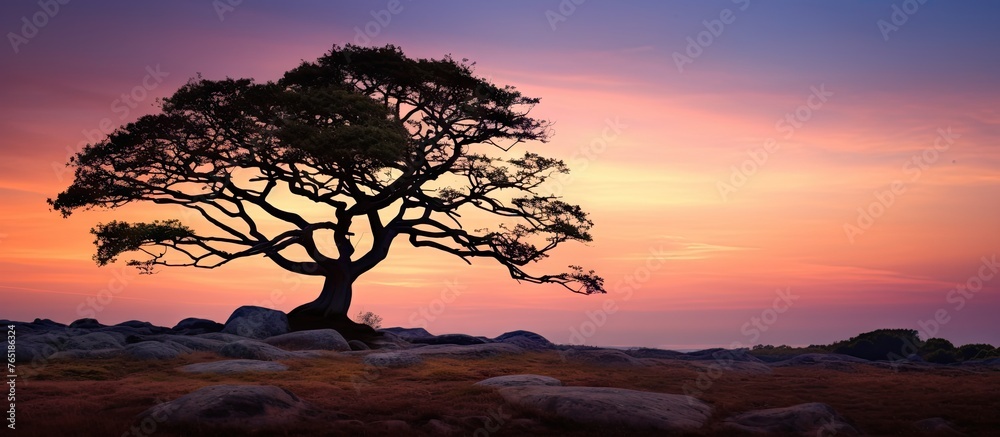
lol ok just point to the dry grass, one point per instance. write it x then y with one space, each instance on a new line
103 397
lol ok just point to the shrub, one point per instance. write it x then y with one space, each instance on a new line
940 356
936 344
369 318
977 351
881 344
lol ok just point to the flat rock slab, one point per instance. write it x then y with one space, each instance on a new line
232 406
316 339
227 367
804 419
603 357
254 350
613 406
469 351
392 359
519 380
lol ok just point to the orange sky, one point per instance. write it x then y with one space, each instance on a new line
685 265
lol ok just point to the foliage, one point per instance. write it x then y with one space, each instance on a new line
402 148
369 318
976 351
881 344
936 344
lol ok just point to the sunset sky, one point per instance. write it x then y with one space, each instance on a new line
724 150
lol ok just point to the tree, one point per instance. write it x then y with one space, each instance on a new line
394 146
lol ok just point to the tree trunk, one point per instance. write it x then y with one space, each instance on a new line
333 302
330 311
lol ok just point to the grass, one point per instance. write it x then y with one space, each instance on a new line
103 397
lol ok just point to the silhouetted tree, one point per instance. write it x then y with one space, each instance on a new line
373 139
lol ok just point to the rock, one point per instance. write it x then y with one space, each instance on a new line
194 343
254 350
358 345
57 340
442 428
95 340
47 324
391 359
85 324
93 354
155 350
389 427
646 352
604 357
459 339
825 361
804 419
28 352
138 325
317 339
408 333
193 323
937 426
219 336
471 351
256 322
232 406
525 339
607 406
518 380
227 367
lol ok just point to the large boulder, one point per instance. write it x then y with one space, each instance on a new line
227 367
606 406
256 322
518 380
316 339
95 340
525 339
804 419
248 407
254 350
156 350
196 324
194 343
86 324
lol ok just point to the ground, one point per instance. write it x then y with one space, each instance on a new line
104 397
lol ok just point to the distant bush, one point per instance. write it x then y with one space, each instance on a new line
940 356
369 318
936 344
977 351
881 344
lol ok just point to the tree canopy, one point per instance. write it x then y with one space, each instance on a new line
401 147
